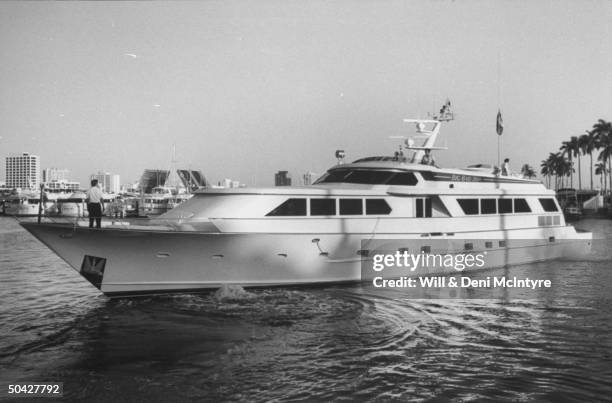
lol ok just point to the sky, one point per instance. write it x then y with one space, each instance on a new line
244 88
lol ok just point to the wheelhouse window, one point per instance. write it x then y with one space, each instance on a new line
423 207
504 206
377 206
521 206
351 206
548 204
369 177
488 206
290 207
322 206
334 176
469 206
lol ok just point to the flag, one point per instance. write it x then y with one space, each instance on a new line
500 123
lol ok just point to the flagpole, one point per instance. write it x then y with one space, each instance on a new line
499 151
499 128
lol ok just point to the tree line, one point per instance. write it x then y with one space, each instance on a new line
559 166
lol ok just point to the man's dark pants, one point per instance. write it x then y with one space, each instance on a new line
95 213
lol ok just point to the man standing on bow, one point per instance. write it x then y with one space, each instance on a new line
94 204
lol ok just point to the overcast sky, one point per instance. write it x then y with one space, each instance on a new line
246 88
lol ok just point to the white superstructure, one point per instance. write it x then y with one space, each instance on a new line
325 232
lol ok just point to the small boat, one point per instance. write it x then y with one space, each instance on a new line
161 200
568 200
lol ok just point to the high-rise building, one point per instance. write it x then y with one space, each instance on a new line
23 171
110 183
282 178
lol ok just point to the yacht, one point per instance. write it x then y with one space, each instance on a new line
327 232
73 206
160 200
27 203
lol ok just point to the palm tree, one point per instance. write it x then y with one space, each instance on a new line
528 171
571 149
581 144
551 167
546 170
589 142
600 169
603 132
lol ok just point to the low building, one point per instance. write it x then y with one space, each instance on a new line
282 178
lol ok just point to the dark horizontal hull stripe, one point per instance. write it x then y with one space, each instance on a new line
448 177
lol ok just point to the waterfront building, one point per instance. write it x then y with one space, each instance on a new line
282 178
23 171
62 185
55 174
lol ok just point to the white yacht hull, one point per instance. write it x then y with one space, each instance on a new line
130 262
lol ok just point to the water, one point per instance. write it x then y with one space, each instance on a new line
337 343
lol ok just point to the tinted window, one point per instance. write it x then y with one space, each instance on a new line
368 177
377 206
469 206
428 207
291 207
351 206
423 207
548 205
403 178
333 176
322 206
521 206
504 206
488 206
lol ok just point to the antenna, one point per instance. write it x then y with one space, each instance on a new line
429 129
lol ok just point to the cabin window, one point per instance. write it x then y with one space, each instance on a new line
504 206
488 206
423 207
521 206
322 206
403 178
377 206
469 206
548 205
290 207
351 206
